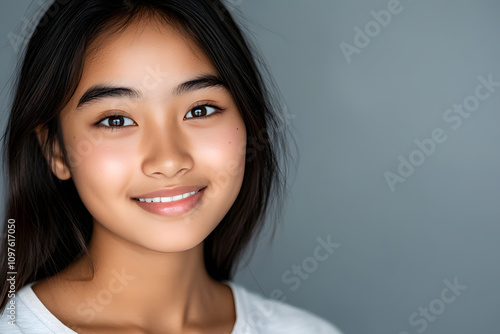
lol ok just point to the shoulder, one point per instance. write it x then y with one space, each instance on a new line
257 314
25 313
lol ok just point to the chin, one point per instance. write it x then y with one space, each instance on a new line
169 244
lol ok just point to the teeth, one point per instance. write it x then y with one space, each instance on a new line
166 199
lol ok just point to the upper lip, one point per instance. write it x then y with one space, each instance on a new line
171 192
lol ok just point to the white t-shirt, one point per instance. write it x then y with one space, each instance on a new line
254 315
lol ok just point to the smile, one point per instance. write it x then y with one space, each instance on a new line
166 199
157 203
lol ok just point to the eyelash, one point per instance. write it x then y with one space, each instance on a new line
114 128
217 110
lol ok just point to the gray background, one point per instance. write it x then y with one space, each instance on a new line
352 121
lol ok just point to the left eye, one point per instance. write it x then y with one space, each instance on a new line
201 111
117 121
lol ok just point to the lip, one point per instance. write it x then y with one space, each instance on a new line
170 192
173 208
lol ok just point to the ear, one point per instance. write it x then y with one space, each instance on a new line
58 165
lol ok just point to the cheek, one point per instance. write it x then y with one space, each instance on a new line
224 150
102 170
221 156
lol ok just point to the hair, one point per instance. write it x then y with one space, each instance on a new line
52 225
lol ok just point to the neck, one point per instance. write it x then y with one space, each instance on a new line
143 285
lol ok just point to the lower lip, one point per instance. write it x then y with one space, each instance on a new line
175 208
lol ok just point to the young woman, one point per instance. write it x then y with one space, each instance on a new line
142 154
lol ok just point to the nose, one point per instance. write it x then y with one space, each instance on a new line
166 152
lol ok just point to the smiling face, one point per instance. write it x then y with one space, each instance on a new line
151 123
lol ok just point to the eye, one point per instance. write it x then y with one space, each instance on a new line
202 111
116 121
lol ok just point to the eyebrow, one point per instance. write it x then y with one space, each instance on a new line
99 92
203 81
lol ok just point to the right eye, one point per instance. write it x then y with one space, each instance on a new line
116 121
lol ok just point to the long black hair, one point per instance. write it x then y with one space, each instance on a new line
52 226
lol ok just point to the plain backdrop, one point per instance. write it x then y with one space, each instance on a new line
368 95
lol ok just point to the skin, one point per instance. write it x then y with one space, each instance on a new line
164 287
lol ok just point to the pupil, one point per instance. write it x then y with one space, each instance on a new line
116 121
200 112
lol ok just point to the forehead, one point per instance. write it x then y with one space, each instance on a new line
144 50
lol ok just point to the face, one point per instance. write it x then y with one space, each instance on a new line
156 144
